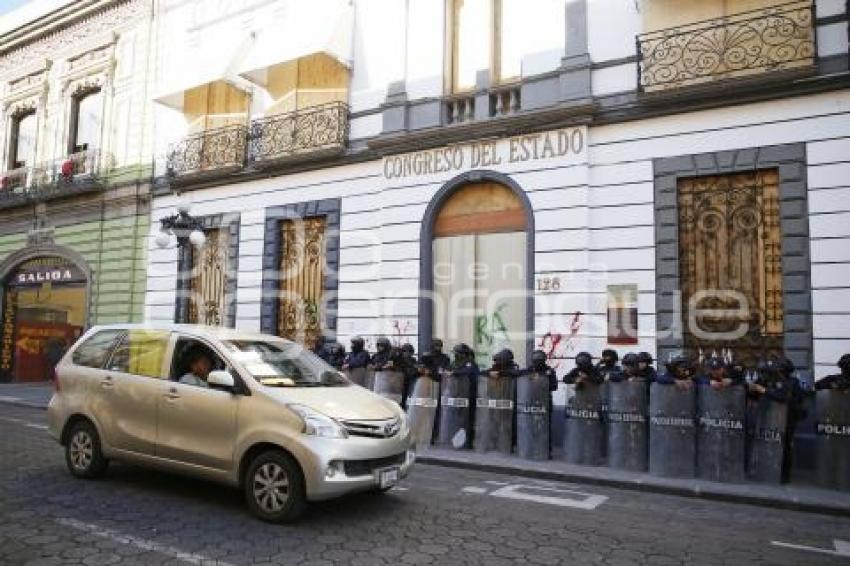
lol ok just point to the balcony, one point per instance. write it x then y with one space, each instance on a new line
215 151
497 101
310 133
745 45
80 172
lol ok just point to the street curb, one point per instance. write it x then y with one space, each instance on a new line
25 404
696 493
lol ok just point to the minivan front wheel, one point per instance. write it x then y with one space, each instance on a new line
83 453
274 488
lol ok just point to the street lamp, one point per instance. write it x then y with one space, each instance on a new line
183 227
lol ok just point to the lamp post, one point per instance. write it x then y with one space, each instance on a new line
185 228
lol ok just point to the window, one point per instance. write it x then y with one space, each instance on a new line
497 34
302 263
182 350
622 314
94 351
22 140
207 301
86 121
141 352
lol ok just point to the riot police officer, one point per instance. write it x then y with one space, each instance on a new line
440 359
358 357
645 370
409 367
776 381
608 366
679 372
464 366
322 348
716 374
383 357
503 365
540 366
837 381
629 370
584 372
336 358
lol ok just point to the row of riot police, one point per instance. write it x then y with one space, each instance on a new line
715 419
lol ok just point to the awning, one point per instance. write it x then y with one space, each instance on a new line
203 66
307 28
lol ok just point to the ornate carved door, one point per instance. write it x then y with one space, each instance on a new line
730 250
207 299
302 269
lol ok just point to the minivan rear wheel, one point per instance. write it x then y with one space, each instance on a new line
83 453
274 488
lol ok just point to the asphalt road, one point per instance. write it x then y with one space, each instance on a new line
437 516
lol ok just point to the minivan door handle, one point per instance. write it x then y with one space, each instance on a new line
172 394
106 382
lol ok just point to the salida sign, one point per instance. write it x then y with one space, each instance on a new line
46 270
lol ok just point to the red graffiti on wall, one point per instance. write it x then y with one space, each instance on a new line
400 329
557 346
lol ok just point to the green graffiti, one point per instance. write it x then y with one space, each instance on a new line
490 328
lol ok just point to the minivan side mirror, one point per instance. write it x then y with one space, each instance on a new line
222 379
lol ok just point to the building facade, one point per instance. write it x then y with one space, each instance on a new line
76 146
578 175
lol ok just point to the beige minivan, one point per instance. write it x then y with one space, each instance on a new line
246 409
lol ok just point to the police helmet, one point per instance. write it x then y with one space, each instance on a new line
383 343
644 358
844 362
610 354
630 359
357 343
583 359
436 345
538 358
408 349
503 357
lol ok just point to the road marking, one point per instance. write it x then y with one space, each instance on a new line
491 482
842 548
7 399
176 553
38 426
23 422
11 419
541 494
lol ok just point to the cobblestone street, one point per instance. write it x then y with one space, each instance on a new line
439 515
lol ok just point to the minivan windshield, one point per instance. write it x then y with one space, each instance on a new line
279 364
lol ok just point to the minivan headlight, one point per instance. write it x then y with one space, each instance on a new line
317 424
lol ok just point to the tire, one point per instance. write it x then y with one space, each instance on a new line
83 454
274 488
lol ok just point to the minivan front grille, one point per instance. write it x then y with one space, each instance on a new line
384 428
354 468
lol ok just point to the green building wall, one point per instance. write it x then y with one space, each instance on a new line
116 251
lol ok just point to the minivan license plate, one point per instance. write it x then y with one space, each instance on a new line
388 478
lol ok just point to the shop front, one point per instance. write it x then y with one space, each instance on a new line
44 312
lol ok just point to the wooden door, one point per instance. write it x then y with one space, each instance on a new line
302 269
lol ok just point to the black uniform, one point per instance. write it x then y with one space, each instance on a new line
409 367
584 372
383 354
608 367
464 366
838 381
358 357
337 355
439 359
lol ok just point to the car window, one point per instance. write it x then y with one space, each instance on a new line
187 348
141 352
95 350
278 364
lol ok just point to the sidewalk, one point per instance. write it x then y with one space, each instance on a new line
800 497
35 395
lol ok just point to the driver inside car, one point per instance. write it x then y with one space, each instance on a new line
199 363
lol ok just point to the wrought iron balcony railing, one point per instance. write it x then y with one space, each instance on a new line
306 133
779 38
78 172
216 150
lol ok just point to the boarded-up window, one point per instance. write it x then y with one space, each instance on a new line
479 271
302 270
730 249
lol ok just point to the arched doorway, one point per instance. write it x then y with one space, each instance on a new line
477 266
45 308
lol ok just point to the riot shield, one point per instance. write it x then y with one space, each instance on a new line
454 412
390 385
494 414
626 420
422 409
532 417
584 426
672 434
357 376
720 433
833 439
558 422
766 440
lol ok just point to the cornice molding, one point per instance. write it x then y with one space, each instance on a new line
103 18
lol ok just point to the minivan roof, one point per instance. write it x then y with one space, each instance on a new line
212 332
